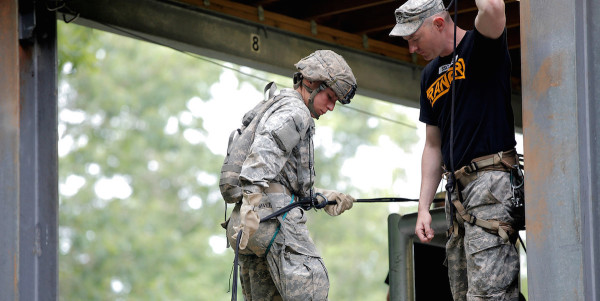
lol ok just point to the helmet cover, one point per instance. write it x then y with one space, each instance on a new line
330 68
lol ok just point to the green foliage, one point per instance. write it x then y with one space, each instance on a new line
126 129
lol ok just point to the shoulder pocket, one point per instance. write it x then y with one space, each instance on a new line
286 138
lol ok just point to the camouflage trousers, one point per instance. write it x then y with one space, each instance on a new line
481 265
292 270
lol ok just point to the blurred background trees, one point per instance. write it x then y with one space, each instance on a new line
143 129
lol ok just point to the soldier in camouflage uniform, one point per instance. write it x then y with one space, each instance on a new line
278 258
482 265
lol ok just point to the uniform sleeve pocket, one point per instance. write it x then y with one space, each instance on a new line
286 137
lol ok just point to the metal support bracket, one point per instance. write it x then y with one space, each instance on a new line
26 21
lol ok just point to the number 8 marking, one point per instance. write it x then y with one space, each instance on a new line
255 43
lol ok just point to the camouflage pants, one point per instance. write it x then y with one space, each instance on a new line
292 269
481 266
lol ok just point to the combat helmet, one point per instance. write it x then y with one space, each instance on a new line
331 69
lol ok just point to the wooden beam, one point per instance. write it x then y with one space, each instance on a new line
305 28
329 9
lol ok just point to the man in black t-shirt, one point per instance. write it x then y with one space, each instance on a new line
482 263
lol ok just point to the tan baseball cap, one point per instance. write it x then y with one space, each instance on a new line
410 15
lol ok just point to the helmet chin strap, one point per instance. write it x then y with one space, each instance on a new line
311 99
299 80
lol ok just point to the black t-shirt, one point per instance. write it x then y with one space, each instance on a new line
483 116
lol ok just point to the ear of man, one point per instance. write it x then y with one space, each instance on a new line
439 23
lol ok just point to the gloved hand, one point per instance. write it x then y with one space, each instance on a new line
249 218
344 201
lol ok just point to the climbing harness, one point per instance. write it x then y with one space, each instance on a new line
508 161
502 161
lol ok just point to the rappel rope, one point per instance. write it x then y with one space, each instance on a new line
451 181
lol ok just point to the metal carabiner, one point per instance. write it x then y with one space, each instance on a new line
516 176
322 204
516 185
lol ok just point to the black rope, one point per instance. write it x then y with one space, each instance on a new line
522 244
453 62
390 200
451 181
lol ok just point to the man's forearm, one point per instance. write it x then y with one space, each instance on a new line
431 175
491 18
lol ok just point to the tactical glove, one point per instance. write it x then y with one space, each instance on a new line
249 218
344 201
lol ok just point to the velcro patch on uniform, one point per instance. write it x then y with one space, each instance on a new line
286 137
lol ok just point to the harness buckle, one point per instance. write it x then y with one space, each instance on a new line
473 219
472 167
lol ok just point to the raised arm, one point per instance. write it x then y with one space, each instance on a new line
491 18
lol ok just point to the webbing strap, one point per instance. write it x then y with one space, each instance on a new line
501 161
474 166
277 230
463 216
505 159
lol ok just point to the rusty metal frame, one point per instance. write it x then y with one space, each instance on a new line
28 149
560 118
9 148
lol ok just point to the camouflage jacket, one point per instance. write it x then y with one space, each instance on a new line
282 150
